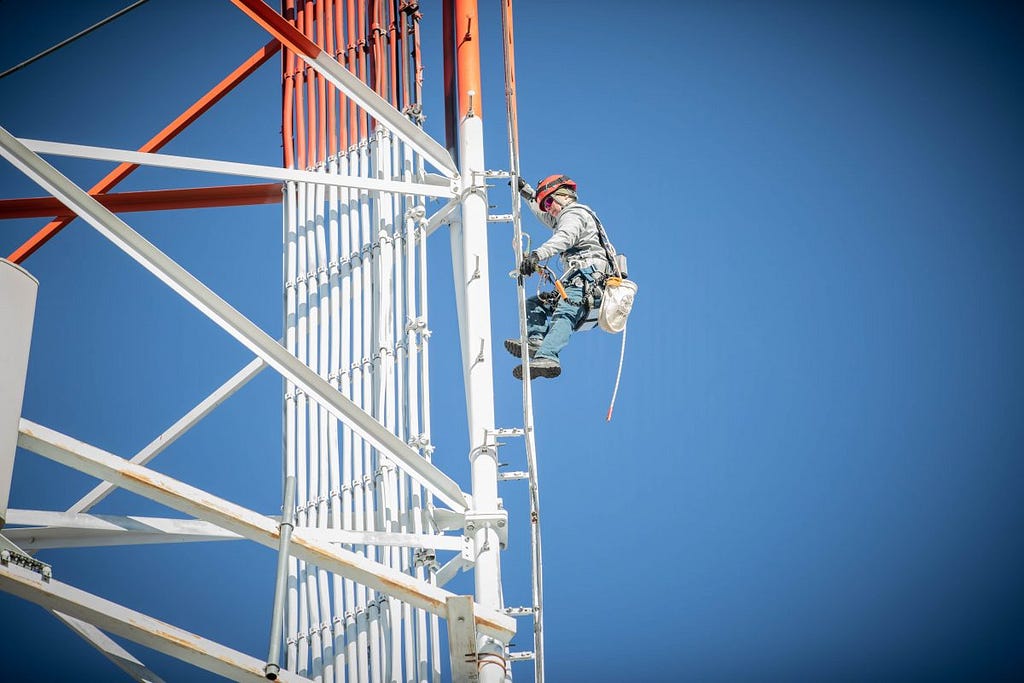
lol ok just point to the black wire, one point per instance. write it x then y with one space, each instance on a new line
72 39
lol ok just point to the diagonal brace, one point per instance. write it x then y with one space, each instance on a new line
252 525
135 626
230 320
344 80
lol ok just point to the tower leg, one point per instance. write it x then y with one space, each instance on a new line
17 311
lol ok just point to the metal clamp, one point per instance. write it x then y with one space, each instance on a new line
496 520
425 557
12 554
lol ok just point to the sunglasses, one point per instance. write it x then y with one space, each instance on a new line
546 204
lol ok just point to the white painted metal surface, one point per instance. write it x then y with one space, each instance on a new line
229 319
357 421
134 626
231 517
110 649
39 529
380 109
462 640
17 311
439 188
472 287
361 323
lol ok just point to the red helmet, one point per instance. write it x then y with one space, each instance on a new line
552 184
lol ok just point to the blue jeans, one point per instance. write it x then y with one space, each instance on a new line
554 327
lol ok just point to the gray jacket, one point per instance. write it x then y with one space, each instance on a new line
575 239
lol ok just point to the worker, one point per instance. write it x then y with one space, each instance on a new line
578 239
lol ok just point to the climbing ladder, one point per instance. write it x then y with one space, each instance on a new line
536 609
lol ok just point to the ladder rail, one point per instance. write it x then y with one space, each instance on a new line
537 563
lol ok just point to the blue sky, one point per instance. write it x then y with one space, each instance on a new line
814 468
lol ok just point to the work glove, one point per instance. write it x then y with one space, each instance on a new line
525 190
529 265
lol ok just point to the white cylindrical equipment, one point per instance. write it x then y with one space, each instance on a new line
17 311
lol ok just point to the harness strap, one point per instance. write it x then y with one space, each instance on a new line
602 237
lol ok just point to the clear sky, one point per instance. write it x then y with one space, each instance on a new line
814 469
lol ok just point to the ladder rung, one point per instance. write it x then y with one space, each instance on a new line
508 476
500 218
519 611
520 656
507 432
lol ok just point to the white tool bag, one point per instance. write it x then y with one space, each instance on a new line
616 303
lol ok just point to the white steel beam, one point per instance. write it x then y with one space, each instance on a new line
429 189
230 320
69 530
395 538
254 526
360 93
462 640
189 420
110 649
135 626
439 217
39 529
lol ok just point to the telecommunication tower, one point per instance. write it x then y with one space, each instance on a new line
371 531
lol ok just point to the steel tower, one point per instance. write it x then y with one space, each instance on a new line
371 530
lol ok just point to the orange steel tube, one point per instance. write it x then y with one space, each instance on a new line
265 16
468 53
300 101
342 56
380 58
324 127
332 92
372 56
312 76
382 52
201 106
150 200
401 42
362 63
353 66
393 57
380 84
288 107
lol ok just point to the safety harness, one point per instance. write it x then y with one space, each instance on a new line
608 297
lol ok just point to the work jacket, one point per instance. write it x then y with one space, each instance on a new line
575 239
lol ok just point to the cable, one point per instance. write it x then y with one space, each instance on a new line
618 376
71 39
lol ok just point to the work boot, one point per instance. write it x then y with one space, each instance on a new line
542 367
516 349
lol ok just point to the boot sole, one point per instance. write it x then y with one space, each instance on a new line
516 349
549 372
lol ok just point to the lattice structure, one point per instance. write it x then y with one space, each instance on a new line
356 312
362 545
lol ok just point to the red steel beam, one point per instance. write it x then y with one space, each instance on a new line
151 200
201 106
